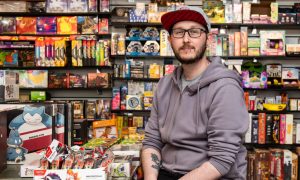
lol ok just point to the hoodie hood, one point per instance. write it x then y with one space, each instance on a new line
215 71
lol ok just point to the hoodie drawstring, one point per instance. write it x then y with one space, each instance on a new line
197 108
168 105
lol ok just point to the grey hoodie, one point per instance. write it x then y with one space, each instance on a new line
206 122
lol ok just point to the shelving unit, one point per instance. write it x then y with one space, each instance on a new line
260 58
218 25
58 68
27 14
69 89
137 79
130 111
274 112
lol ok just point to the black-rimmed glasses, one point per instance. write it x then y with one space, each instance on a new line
193 32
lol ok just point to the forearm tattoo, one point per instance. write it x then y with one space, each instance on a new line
156 161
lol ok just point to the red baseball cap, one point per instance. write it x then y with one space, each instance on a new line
185 13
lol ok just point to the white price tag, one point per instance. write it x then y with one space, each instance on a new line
254 31
222 31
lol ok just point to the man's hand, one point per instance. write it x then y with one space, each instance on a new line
205 172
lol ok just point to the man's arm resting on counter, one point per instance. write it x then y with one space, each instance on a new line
205 172
151 161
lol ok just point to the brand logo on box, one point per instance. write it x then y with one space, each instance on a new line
39 172
48 152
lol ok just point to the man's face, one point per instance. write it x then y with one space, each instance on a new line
188 50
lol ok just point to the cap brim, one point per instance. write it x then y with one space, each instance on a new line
173 17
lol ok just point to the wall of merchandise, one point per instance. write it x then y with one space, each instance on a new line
105 58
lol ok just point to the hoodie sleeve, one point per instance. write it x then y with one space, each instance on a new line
152 135
228 123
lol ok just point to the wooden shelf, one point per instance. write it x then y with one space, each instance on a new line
259 26
56 68
263 57
142 57
37 14
59 89
272 89
124 24
224 57
55 35
130 111
274 112
215 25
136 79
283 146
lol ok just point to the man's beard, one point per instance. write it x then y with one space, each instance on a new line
199 55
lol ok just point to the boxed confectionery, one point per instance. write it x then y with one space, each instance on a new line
9 86
244 41
135 88
121 166
100 80
77 81
31 162
26 25
153 13
134 48
272 43
274 72
33 78
103 109
151 48
92 5
67 25
90 109
77 5
56 6
9 57
293 49
103 26
105 129
123 93
138 14
8 25
215 11
91 163
79 133
35 7
58 80
78 109
38 95
274 12
120 14
254 75
26 58
290 77
46 25
287 16
87 24
104 5
118 44
12 6
115 104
